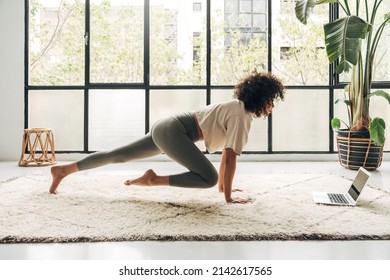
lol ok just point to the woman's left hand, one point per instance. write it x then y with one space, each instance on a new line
237 200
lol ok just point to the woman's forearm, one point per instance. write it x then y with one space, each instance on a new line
230 169
228 180
221 174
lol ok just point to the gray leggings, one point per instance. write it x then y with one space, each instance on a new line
175 136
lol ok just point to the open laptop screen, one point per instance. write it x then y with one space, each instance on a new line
358 184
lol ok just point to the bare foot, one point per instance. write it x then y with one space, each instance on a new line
150 178
56 178
60 172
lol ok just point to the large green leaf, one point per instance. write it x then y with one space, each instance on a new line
335 123
380 93
377 131
303 8
343 40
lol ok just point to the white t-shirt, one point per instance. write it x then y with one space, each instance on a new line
225 125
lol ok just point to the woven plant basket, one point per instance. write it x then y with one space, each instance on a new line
359 152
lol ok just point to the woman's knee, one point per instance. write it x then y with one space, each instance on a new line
211 179
161 132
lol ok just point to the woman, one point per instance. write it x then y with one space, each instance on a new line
222 126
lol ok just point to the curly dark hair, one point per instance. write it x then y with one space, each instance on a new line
258 91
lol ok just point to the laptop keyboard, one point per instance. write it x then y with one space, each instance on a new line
337 198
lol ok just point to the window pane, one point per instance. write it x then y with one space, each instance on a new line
382 58
340 108
165 103
197 6
298 54
177 43
340 111
237 47
258 139
260 19
63 112
116 118
245 6
117 44
378 108
301 121
231 6
56 42
259 6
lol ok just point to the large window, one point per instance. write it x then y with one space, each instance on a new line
101 72
116 41
298 53
56 43
177 42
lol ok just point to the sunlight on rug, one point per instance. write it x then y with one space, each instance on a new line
100 208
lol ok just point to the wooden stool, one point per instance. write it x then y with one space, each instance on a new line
37 141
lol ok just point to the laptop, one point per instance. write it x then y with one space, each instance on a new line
351 197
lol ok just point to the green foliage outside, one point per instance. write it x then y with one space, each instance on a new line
57 48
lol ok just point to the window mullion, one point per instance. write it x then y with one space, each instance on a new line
269 50
208 52
87 73
147 63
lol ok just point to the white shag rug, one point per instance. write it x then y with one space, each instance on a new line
100 208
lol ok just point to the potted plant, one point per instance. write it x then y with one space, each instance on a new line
352 41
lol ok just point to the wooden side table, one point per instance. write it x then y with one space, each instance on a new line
37 147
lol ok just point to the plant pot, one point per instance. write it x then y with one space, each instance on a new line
353 134
357 150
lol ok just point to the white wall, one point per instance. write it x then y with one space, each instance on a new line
11 78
